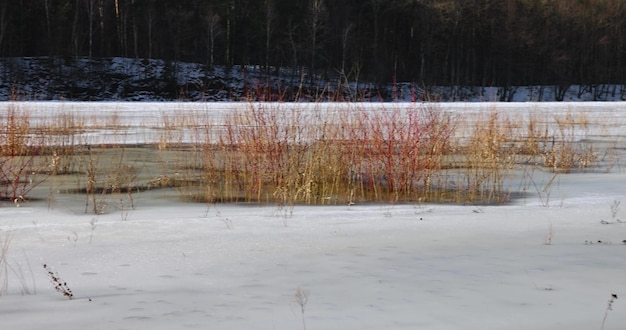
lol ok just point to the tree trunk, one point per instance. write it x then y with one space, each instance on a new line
75 34
269 18
212 32
90 15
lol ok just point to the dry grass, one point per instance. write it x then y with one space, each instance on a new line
568 149
19 148
488 160
261 154
59 285
5 243
268 153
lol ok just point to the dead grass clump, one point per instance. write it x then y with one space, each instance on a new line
309 154
488 159
63 135
400 153
19 149
265 153
59 285
568 149
109 178
533 139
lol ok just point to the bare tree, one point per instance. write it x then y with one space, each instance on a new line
75 32
230 11
317 15
270 15
46 6
3 21
101 20
135 28
213 31
291 34
345 39
91 11
150 27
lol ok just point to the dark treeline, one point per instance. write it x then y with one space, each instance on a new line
429 42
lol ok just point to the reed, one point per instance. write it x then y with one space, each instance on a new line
296 154
488 159
268 153
19 149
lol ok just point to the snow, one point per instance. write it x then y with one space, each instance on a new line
142 121
172 265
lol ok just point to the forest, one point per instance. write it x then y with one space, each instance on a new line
427 42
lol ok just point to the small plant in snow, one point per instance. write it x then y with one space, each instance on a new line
16 269
228 223
614 212
609 307
388 212
302 298
93 223
59 284
73 238
550 235
598 242
4 266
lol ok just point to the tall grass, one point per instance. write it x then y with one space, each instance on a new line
488 160
295 154
569 150
265 153
19 148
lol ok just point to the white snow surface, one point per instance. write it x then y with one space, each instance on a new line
174 265
143 122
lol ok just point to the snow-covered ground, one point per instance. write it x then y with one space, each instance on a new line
143 122
174 265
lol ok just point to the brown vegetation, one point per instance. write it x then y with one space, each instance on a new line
268 153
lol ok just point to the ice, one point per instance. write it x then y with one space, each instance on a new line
173 265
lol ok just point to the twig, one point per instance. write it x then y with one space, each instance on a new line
59 285
608 308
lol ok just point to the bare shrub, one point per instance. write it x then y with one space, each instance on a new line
19 148
302 298
59 285
267 152
4 264
488 159
568 149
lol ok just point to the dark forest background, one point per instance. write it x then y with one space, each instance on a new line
428 42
